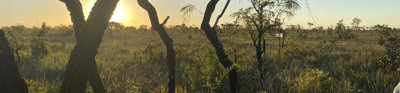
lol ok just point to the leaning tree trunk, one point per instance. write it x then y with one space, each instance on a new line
213 38
10 80
82 64
145 4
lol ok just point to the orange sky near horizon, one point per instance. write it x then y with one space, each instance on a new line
324 12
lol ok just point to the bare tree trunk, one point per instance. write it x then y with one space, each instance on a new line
259 53
10 80
81 66
212 36
145 4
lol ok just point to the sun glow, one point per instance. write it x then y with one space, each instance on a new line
119 14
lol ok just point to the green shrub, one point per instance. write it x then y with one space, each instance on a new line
343 32
39 44
391 42
33 87
313 81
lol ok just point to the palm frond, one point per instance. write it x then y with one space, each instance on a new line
187 8
287 13
291 5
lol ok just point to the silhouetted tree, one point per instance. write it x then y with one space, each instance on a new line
356 23
145 4
343 32
142 28
265 16
82 64
212 36
10 80
310 25
115 26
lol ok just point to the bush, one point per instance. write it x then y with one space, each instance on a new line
391 59
343 33
39 44
313 81
33 87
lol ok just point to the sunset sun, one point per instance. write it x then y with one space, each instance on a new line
119 14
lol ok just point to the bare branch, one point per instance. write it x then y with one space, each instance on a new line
187 9
76 12
255 23
145 4
222 13
165 21
212 35
254 6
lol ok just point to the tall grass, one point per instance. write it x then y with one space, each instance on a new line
132 61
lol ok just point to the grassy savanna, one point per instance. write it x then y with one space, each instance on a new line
132 60
247 48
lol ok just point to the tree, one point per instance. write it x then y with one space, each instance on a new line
212 36
81 66
115 27
39 45
265 16
10 80
310 24
142 28
145 4
343 33
356 23
388 39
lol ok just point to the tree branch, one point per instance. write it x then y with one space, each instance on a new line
212 36
254 6
219 49
82 64
100 16
255 23
222 13
76 12
165 21
145 4
252 38
207 15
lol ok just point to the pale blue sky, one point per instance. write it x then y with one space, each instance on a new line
325 12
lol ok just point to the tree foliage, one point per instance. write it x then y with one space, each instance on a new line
265 16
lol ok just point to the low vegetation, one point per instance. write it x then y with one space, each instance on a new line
134 60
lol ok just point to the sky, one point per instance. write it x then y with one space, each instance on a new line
320 12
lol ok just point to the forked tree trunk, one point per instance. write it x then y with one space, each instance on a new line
10 80
81 66
212 36
145 4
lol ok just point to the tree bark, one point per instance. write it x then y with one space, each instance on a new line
212 36
81 66
259 53
10 79
145 4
